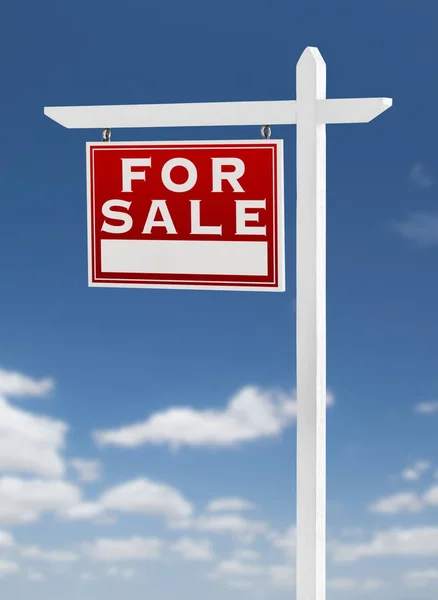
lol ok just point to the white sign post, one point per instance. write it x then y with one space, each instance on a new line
310 112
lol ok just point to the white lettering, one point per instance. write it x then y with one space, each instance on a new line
128 175
230 176
161 206
108 213
192 175
195 211
242 217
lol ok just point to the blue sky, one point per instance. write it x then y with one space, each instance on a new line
209 520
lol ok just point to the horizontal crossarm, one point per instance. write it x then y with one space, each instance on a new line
174 115
351 110
276 112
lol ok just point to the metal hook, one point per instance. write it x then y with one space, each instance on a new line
266 132
106 135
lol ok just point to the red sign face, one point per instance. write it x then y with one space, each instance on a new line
204 215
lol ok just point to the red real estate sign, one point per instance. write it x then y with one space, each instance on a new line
194 215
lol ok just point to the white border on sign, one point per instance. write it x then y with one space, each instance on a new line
281 267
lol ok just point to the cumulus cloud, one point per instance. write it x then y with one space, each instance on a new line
347 584
244 566
191 549
86 470
250 415
430 497
286 541
406 502
353 532
30 443
421 578
55 556
121 572
372 584
229 505
138 496
6 540
416 470
147 548
421 228
245 554
13 383
415 541
426 408
133 548
282 576
403 502
147 497
36 576
83 511
240 584
8 567
243 529
420 176
343 584
24 500
236 567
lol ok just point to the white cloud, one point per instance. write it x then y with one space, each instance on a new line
426 408
415 541
403 502
229 504
240 584
134 548
347 584
372 584
242 563
55 556
251 414
287 541
431 496
87 470
83 510
420 578
138 496
88 576
243 529
191 549
13 383
406 502
6 540
147 497
342 584
121 572
24 500
105 519
236 567
420 228
414 472
420 176
30 443
36 576
8 567
243 554
282 576
353 531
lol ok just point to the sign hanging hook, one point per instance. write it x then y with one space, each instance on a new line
106 134
266 132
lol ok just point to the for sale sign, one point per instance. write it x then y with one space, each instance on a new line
194 215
